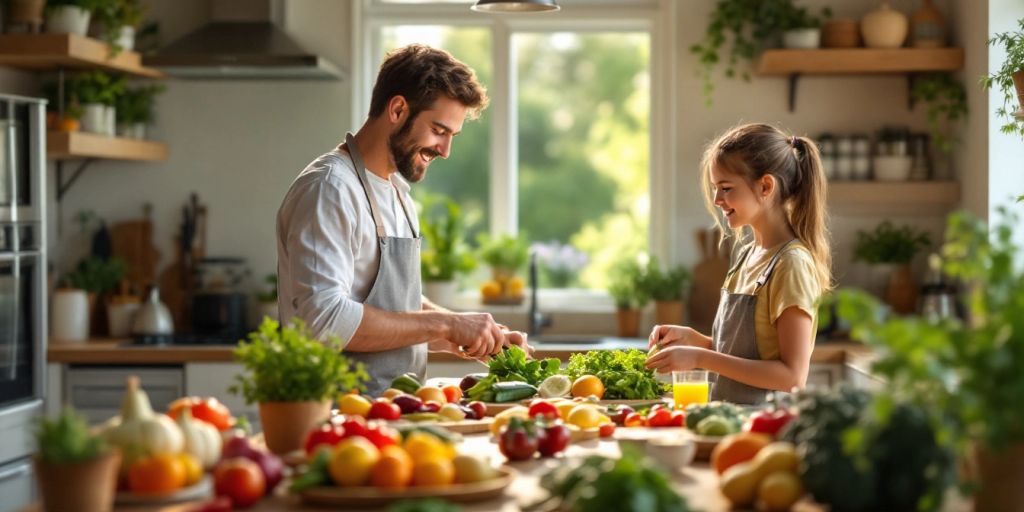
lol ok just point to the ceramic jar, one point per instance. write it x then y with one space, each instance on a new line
884 27
927 27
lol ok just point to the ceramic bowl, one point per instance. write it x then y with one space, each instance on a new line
892 168
672 454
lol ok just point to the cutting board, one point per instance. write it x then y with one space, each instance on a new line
132 241
708 276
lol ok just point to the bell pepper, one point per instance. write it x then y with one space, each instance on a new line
769 422
406 383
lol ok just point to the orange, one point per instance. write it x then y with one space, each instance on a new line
431 393
193 469
158 474
422 447
452 393
67 124
433 472
352 461
490 290
737 448
393 470
514 287
588 385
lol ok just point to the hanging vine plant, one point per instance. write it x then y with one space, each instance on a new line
946 98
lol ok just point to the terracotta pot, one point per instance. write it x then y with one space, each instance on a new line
86 486
884 27
840 33
927 27
1001 475
1018 82
29 12
629 322
669 312
285 424
901 293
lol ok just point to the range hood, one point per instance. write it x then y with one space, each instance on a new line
241 50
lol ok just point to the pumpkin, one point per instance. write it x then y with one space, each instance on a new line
202 439
138 431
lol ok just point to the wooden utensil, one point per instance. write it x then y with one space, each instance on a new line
708 276
132 241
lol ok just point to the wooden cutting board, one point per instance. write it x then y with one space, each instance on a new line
132 241
708 276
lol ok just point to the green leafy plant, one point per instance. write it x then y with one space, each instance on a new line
135 105
288 365
889 244
512 364
629 288
1013 43
270 294
89 5
66 439
96 275
445 254
505 252
621 371
96 87
114 15
946 98
800 17
666 285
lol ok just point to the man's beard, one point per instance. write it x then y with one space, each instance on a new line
405 153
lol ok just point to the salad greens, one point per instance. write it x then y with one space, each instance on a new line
622 372
512 364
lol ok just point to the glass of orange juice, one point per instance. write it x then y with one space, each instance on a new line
689 387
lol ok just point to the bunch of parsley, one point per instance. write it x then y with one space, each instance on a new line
621 371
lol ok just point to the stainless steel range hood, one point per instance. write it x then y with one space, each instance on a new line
241 50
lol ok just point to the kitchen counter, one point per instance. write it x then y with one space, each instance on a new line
111 351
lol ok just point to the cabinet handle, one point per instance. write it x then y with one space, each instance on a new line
14 473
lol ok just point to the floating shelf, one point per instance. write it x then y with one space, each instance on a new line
888 197
71 145
832 61
42 52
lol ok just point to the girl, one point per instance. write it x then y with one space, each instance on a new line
759 178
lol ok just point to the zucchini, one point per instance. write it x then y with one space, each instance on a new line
512 391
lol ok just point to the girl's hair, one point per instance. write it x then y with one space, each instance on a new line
754 150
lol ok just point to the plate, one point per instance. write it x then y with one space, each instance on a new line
358 497
458 427
495 408
200 490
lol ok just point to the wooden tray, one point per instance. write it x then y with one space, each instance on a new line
200 490
357 497
458 427
495 408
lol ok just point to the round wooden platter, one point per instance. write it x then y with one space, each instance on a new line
457 427
358 497
200 490
495 408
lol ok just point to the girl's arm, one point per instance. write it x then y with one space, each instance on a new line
795 346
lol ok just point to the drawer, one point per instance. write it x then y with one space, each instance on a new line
17 486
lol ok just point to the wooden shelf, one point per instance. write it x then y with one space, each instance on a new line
69 145
893 197
54 51
860 61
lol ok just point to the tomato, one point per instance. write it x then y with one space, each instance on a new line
452 393
606 429
382 436
383 409
516 442
328 434
157 475
659 418
678 419
540 407
768 422
620 413
555 440
634 419
239 479
479 408
208 409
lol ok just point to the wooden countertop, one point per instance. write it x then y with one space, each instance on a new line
109 351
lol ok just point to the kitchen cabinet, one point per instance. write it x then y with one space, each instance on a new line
17 485
96 392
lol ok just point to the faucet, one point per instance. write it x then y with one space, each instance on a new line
536 319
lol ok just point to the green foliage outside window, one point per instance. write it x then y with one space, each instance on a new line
889 244
445 253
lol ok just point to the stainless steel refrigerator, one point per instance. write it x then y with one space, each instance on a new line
22 291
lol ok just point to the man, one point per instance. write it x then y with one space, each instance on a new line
348 242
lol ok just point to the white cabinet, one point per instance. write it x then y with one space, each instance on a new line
17 486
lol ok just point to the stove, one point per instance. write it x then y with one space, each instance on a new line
183 339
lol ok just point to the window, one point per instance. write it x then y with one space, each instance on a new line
563 155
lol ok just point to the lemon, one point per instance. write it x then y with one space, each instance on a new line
555 386
584 416
352 461
505 416
355 405
423 447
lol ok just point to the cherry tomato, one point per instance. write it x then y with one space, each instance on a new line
383 409
543 408
479 408
353 425
516 443
208 409
239 479
555 440
678 419
381 436
327 434
606 429
634 419
659 418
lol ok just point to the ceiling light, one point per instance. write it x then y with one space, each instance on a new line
515 6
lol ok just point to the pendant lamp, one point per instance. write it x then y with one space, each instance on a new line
500 6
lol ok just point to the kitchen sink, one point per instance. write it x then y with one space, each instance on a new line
604 342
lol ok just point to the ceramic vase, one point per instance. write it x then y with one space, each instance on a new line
884 27
67 19
927 27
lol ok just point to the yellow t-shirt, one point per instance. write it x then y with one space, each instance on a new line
792 283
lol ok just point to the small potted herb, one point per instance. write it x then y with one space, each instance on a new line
444 255
97 93
70 16
1010 79
888 250
506 255
293 377
134 107
75 469
668 289
120 19
629 291
801 29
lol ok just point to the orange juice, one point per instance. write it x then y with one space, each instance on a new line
686 393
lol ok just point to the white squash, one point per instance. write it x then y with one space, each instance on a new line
202 439
138 431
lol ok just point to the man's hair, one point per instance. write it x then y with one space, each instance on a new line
420 74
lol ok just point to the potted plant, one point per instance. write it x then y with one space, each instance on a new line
267 299
506 255
630 294
96 277
668 289
1010 79
25 12
444 255
967 373
69 16
75 469
293 377
562 263
801 29
134 110
946 98
97 92
888 250
120 19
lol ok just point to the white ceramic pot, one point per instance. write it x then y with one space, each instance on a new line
69 320
884 27
802 38
119 318
126 38
94 118
67 20
441 293
131 130
893 168
110 120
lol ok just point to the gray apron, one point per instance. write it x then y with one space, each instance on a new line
396 288
733 333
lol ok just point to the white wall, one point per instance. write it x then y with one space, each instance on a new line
1006 152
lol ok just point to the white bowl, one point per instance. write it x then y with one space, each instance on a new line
892 168
802 38
672 454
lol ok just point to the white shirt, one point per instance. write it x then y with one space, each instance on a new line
327 252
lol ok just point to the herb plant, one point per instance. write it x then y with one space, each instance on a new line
445 254
889 244
504 252
628 286
621 371
512 364
1013 43
666 285
66 439
96 87
288 365
96 275
946 98
135 105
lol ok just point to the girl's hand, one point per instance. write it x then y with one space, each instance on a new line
670 335
675 359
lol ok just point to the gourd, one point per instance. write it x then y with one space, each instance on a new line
138 431
202 439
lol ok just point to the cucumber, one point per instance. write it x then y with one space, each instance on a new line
512 391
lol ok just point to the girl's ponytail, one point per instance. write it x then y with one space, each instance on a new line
807 210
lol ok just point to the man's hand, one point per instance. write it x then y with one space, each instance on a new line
477 334
518 339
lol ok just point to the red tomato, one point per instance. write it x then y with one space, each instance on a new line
540 407
606 429
634 419
239 479
382 436
555 439
479 408
678 419
328 434
452 393
208 409
383 409
517 443
352 425
659 418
